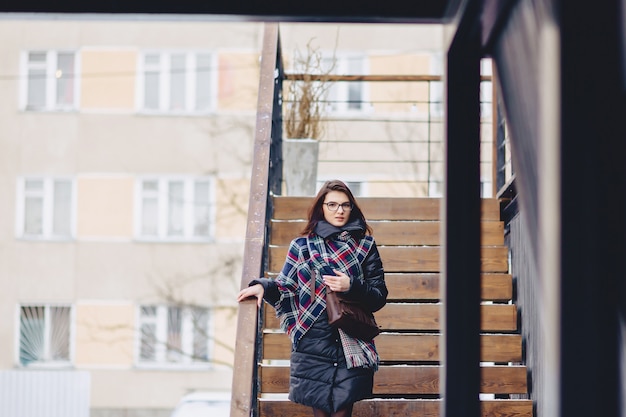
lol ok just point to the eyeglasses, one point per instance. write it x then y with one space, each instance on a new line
332 206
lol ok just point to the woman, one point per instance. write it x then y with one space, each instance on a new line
330 370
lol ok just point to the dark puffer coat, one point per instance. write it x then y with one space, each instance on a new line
319 376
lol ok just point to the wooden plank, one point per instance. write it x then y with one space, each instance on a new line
496 287
374 208
426 317
412 259
411 347
412 380
425 286
407 316
422 286
412 286
394 233
399 407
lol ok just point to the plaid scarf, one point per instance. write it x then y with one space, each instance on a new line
298 310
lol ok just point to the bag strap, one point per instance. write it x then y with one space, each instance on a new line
312 283
313 273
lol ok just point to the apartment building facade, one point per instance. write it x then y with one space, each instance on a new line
126 148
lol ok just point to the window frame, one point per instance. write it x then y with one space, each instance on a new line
191 57
359 186
340 105
51 66
189 183
161 330
70 363
47 208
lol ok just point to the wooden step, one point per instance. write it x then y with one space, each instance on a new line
295 208
412 258
426 317
411 380
412 347
395 233
494 286
425 286
400 407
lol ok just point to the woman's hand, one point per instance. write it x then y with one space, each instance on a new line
255 290
339 282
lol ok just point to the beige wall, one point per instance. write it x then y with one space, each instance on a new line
225 330
231 207
238 81
104 207
400 92
104 334
108 79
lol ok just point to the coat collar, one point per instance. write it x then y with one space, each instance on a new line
325 229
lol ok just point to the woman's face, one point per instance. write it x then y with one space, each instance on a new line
341 215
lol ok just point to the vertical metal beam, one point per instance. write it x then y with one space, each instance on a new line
461 263
495 129
593 198
276 153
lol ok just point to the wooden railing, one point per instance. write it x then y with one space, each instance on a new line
263 181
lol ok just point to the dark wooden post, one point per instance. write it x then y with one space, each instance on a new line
461 264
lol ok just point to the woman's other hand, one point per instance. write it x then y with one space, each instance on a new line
337 283
255 290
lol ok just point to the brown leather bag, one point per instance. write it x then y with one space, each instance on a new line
350 316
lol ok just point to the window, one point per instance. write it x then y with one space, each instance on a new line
436 88
177 82
435 188
486 89
173 335
175 209
51 81
343 95
44 337
356 187
45 208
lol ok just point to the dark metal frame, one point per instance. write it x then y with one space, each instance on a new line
461 264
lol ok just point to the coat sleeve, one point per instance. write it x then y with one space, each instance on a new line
372 291
271 293
286 283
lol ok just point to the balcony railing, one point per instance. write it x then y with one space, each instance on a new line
393 145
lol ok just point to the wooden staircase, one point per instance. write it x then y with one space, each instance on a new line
407 231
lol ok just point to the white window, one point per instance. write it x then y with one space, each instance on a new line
486 89
177 82
173 335
44 335
51 81
435 188
346 96
436 88
178 208
45 208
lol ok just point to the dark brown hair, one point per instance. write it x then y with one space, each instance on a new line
316 211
